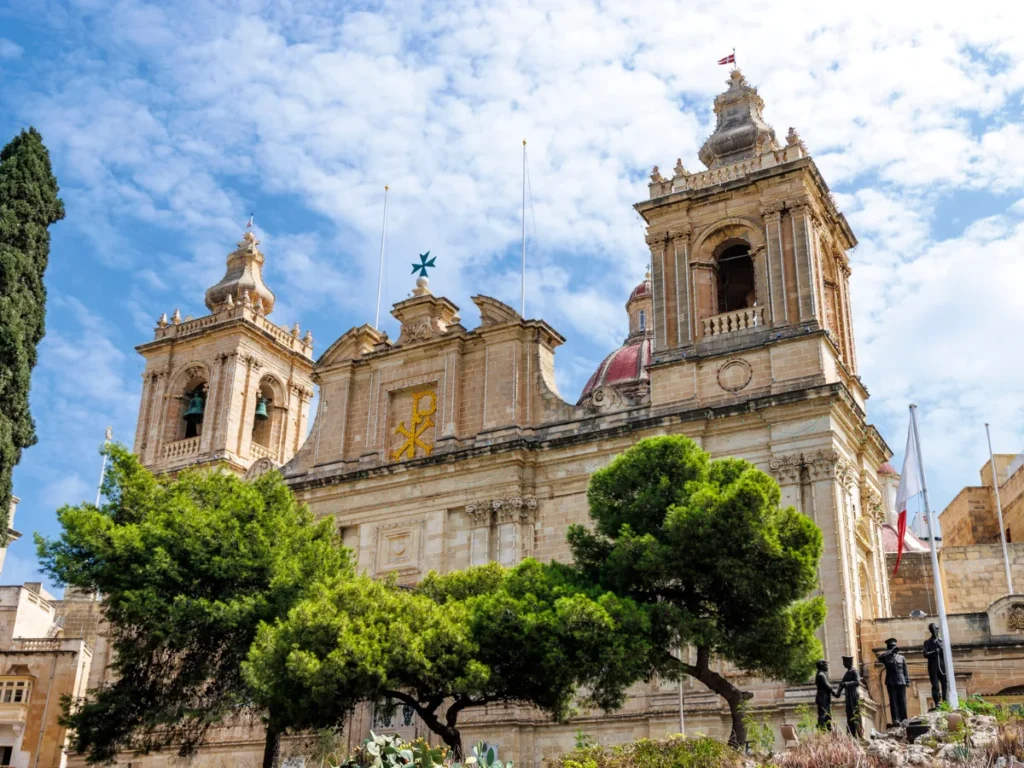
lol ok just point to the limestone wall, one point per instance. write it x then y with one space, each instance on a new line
972 577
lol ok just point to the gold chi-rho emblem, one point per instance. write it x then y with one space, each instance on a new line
419 423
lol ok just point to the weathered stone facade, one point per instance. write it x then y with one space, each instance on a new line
450 446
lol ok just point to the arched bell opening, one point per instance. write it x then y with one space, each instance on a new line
187 409
735 277
268 415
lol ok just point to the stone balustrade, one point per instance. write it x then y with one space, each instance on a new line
180 448
37 644
257 451
730 322
288 338
726 173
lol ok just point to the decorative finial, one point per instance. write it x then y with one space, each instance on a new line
422 286
679 169
422 266
162 321
308 338
109 434
176 317
246 299
229 301
656 175
258 304
793 139
295 330
647 273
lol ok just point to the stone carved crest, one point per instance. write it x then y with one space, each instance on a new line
1015 617
259 468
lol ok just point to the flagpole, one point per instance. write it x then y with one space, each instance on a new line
103 467
523 282
999 511
947 648
380 273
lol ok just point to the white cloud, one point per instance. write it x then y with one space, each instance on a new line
176 118
10 49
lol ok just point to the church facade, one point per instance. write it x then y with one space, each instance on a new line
452 446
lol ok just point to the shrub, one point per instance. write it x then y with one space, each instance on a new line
827 750
675 752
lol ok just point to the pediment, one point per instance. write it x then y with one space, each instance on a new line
352 345
493 311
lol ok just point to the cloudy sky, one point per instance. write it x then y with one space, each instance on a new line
169 122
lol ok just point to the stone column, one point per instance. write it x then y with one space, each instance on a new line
681 288
480 515
213 401
657 242
514 517
800 218
772 216
844 289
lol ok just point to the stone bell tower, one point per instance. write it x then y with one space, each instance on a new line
230 387
752 327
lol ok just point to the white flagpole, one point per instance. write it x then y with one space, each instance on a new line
954 700
103 467
380 273
523 284
999 512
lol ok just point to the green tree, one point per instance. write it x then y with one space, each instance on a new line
705 545
28 206
485 635
189 567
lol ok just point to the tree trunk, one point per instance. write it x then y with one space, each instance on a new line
272 746
733 696
453 740
448 730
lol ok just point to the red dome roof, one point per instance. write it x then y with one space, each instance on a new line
625 368
644 289
891 539
887 469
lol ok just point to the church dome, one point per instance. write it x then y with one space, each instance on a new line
887 469
624 371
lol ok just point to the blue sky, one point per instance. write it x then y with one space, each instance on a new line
168 122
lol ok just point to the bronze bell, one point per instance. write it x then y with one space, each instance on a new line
261 410
195 410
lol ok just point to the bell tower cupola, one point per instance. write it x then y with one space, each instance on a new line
748 254
230 388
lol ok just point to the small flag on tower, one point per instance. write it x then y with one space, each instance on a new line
249 225
730 59
910 486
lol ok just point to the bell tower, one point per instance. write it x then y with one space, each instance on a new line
231 387
753 340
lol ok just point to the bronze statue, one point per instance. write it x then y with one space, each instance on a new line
850 686
824 696
933 651
897 678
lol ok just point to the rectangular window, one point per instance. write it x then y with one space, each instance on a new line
5 755
643 320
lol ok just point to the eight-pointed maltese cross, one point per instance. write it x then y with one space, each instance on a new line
424 263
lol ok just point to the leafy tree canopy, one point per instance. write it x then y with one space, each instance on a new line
526 635
706 546
28 206
188 568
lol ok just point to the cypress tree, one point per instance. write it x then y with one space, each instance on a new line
28 206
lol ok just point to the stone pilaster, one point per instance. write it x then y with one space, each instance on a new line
800 219
772 216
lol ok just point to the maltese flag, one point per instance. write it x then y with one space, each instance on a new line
910 486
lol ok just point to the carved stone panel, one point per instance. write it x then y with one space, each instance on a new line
399 547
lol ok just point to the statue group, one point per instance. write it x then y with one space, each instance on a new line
897 679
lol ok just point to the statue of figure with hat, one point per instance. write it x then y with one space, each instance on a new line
897 678
850 687
934 653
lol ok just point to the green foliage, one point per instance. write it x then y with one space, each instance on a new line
583 739
807 721
705 545
28 207
383 751
760 734
977 705
675 752
189 568
485 756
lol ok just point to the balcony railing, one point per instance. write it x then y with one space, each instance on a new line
187 447
258 451
730 322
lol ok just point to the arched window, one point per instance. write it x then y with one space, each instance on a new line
735 279
643 320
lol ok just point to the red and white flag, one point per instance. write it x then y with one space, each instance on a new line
730 59
249 225
910 486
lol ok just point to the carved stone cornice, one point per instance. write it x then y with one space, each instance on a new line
787 468
821 465
511 509
772 211
845 473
